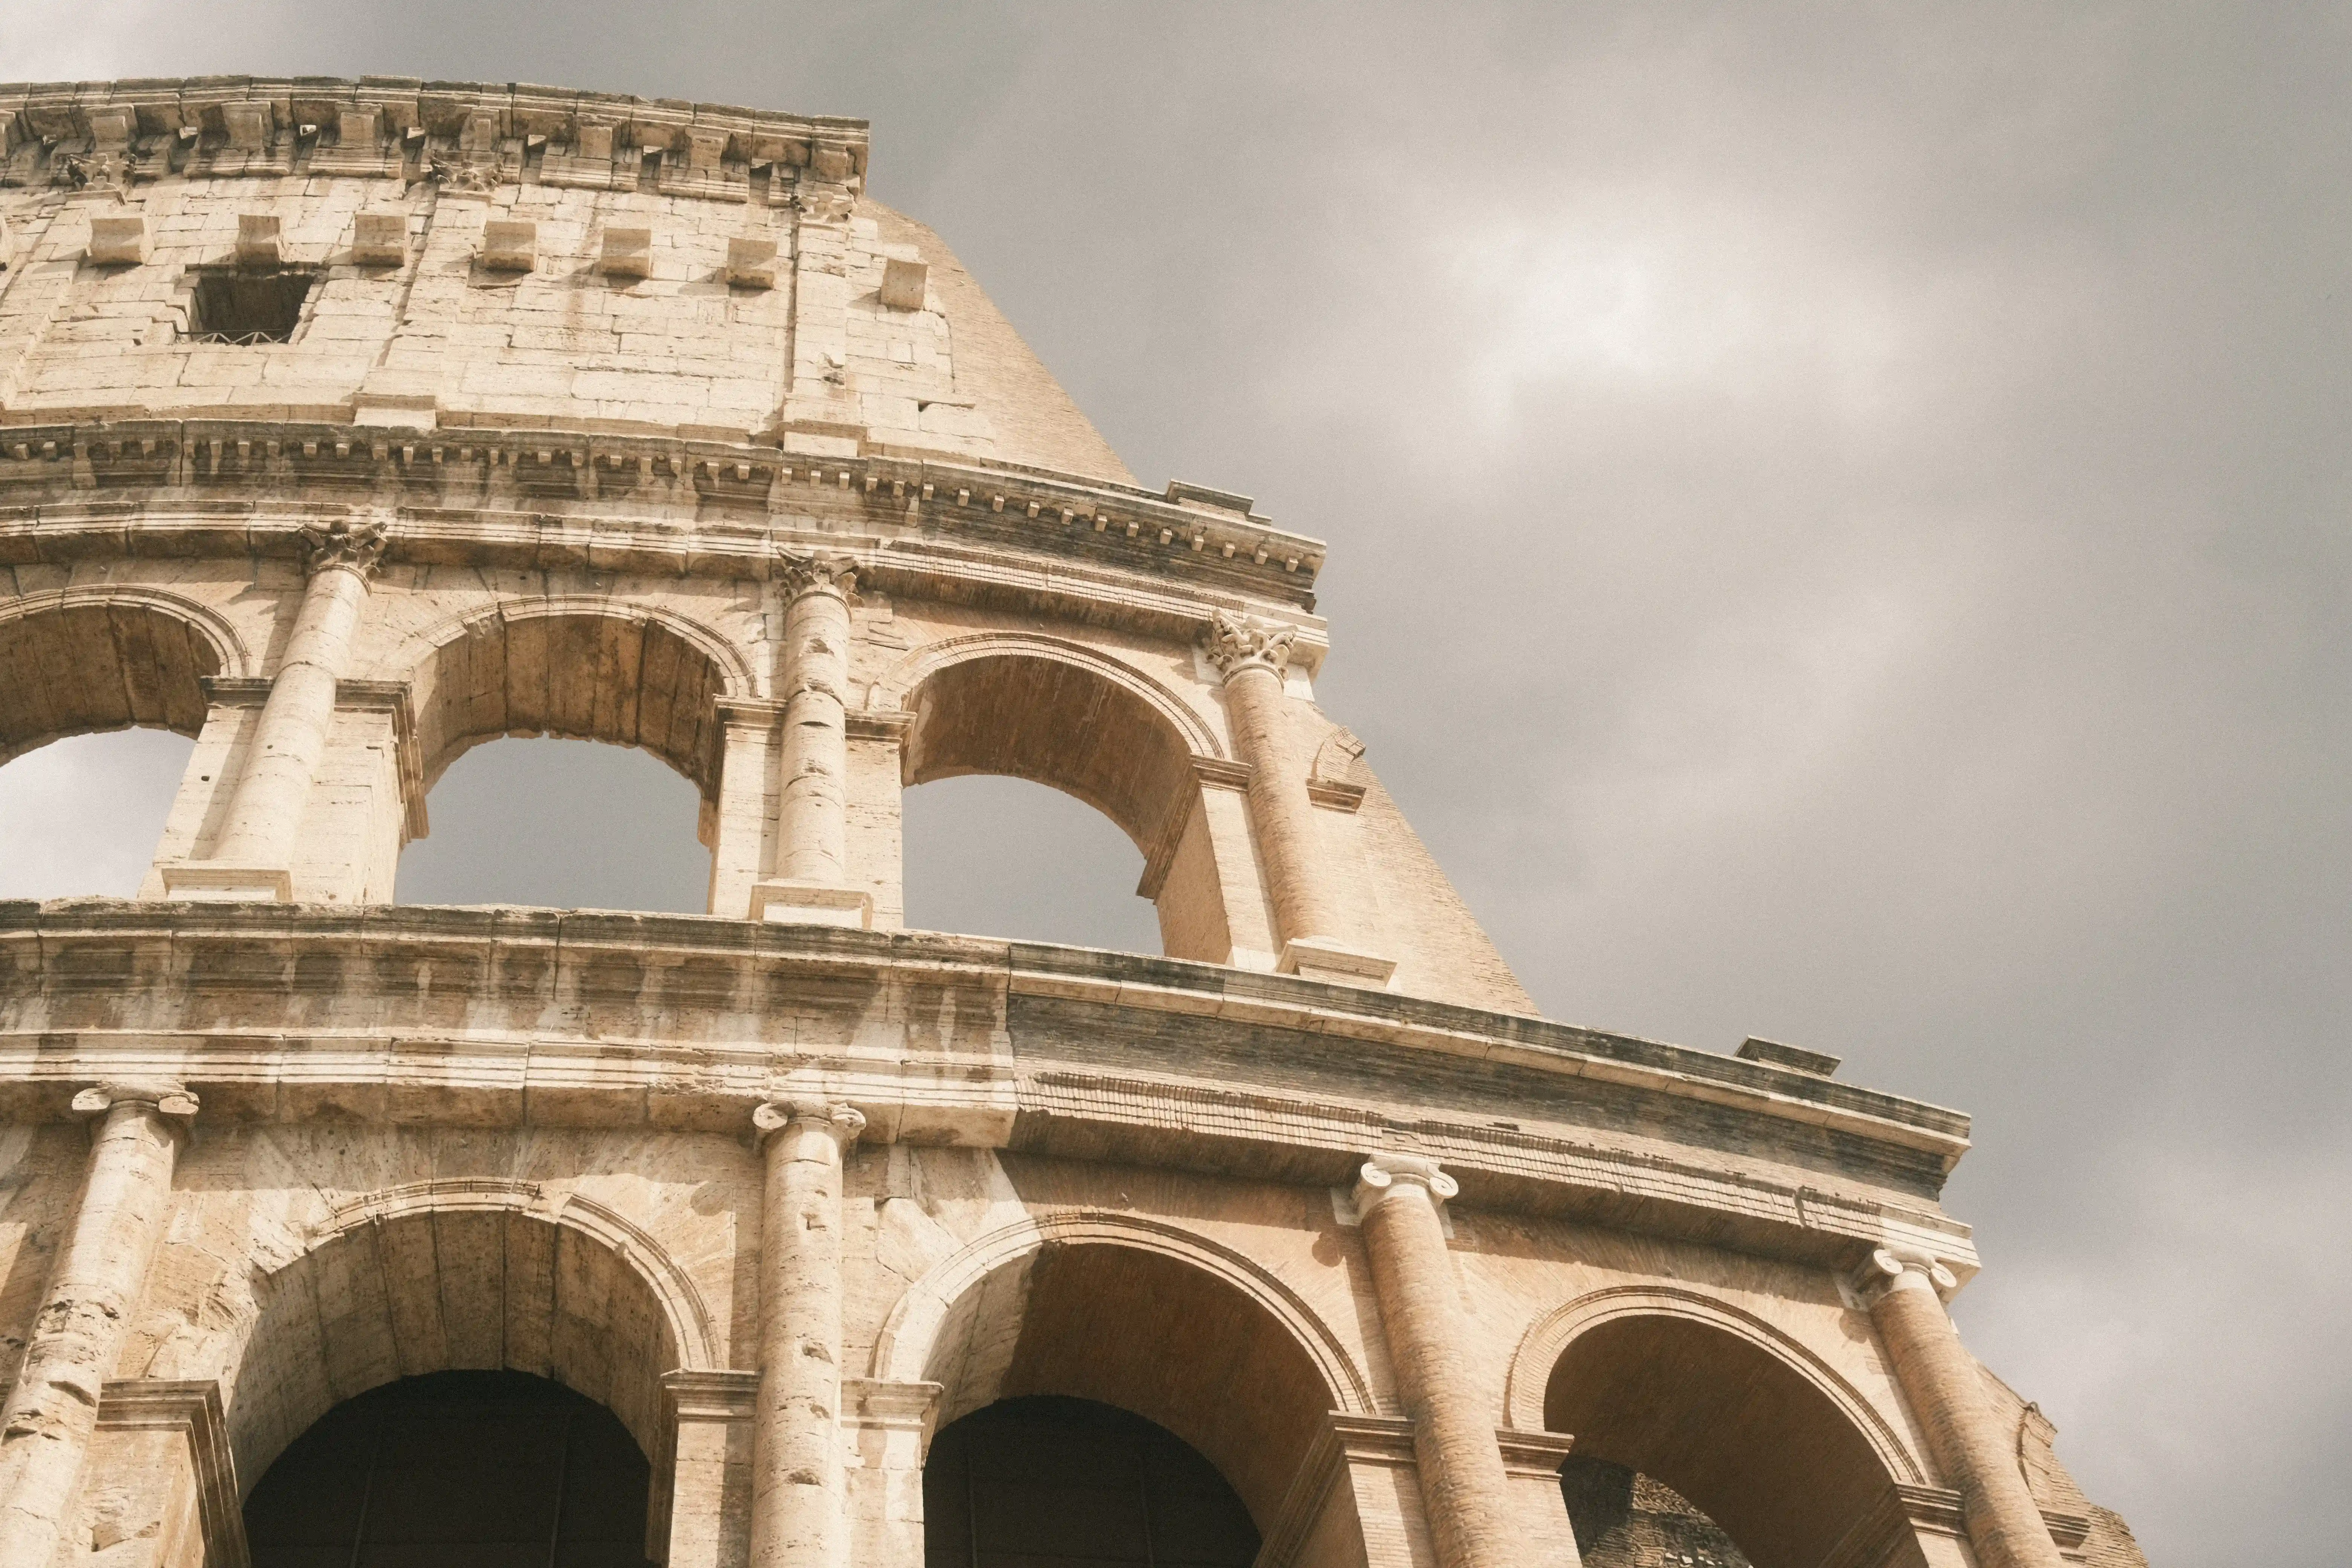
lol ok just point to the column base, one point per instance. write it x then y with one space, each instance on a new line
227 882
1313 958
813 903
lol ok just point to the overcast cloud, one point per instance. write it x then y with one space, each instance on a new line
1839 531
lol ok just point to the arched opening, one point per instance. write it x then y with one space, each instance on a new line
1016 860
556 823
487 1469
1051 1479
1080 723
1148 1333
561 824
404 1293
83 806
1754 1444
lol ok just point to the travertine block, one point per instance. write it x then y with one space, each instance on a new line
751 261
259 240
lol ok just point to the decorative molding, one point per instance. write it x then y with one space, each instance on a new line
1335 797
1235 644
711 1395
887 725
1904 1512
171 1102
1387 1174
1533 1455
192 1407
902 687
1886 1268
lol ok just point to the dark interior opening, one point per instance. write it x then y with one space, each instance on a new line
489 1470
1626 1519
248 304
1079 1485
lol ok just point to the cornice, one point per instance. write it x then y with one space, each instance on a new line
1196 1066
467 136
654 505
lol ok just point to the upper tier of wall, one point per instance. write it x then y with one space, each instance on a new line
502 258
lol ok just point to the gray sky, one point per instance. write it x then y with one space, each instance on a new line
1838 532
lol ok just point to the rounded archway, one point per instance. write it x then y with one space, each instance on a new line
1055 715
1747 1431
489 1470
575 672
82 661
1164 1327
483 1277
1045 1478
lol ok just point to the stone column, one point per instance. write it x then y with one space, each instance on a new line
1307 916
254 855
1940 1379
796 1470
812 861
1464 1484
45 1428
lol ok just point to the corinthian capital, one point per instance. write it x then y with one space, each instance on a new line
834 574
343 542
1236 643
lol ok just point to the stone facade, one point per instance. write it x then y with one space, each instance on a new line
346 425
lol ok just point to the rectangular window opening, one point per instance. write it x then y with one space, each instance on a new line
248 304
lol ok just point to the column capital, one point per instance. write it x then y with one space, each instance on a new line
170 1101
1384 1175
834 575
1236 644
843 1123
357 546
1892 1269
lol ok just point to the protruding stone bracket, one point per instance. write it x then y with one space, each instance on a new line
1334 963
813 903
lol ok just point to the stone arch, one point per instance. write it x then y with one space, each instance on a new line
77 660
1754 1429
577 667
1019 704
465 1275
1131 1312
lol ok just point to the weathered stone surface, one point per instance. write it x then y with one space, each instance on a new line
641 422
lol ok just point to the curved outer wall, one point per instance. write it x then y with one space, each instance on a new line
640 422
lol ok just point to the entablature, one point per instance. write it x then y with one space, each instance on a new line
549 501
512 1016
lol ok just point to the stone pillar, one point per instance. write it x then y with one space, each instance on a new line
1308 915
253 856
1472 1519
1940 1379
45 1426
812 880
796 1470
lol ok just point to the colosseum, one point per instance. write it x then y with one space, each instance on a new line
345 426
